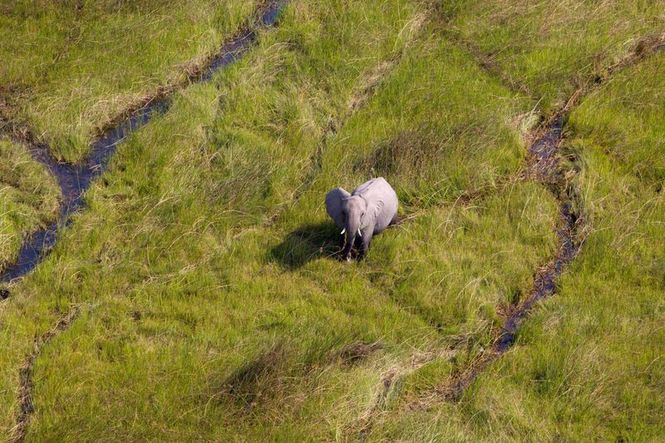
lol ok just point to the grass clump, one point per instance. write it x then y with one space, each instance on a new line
279 106
457 136
28 198
74 66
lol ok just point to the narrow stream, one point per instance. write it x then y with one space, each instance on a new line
75 179
546 169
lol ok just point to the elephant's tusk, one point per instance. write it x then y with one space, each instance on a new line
343 231
360 233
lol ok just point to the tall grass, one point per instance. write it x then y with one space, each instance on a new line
74 66
212 307
550 47
588 364
197 309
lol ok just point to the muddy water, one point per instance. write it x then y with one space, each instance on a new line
75 179
545 282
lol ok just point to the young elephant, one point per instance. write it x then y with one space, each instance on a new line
370 209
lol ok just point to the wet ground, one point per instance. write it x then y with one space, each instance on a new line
545 167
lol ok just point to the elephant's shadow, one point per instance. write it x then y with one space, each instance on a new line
308 243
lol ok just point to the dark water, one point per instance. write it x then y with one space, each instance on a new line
545 282
544 148
75 179
547 169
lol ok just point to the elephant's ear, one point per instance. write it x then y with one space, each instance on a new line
334 205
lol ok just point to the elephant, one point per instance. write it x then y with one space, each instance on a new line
367 211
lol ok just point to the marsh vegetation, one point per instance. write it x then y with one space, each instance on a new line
199 292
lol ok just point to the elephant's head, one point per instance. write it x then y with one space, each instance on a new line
348 212
353 210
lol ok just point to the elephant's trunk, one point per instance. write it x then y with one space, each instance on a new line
351 230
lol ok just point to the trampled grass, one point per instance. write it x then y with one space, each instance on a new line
74 66
28 198
211 307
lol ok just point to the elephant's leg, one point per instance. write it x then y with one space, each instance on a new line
359 243
364 247
346 252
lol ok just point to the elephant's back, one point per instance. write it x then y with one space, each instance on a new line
375 188
380 191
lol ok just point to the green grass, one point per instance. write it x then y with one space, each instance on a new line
458 136
551 47
158 184
211 308
28 198
74 66
588 364
195 283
